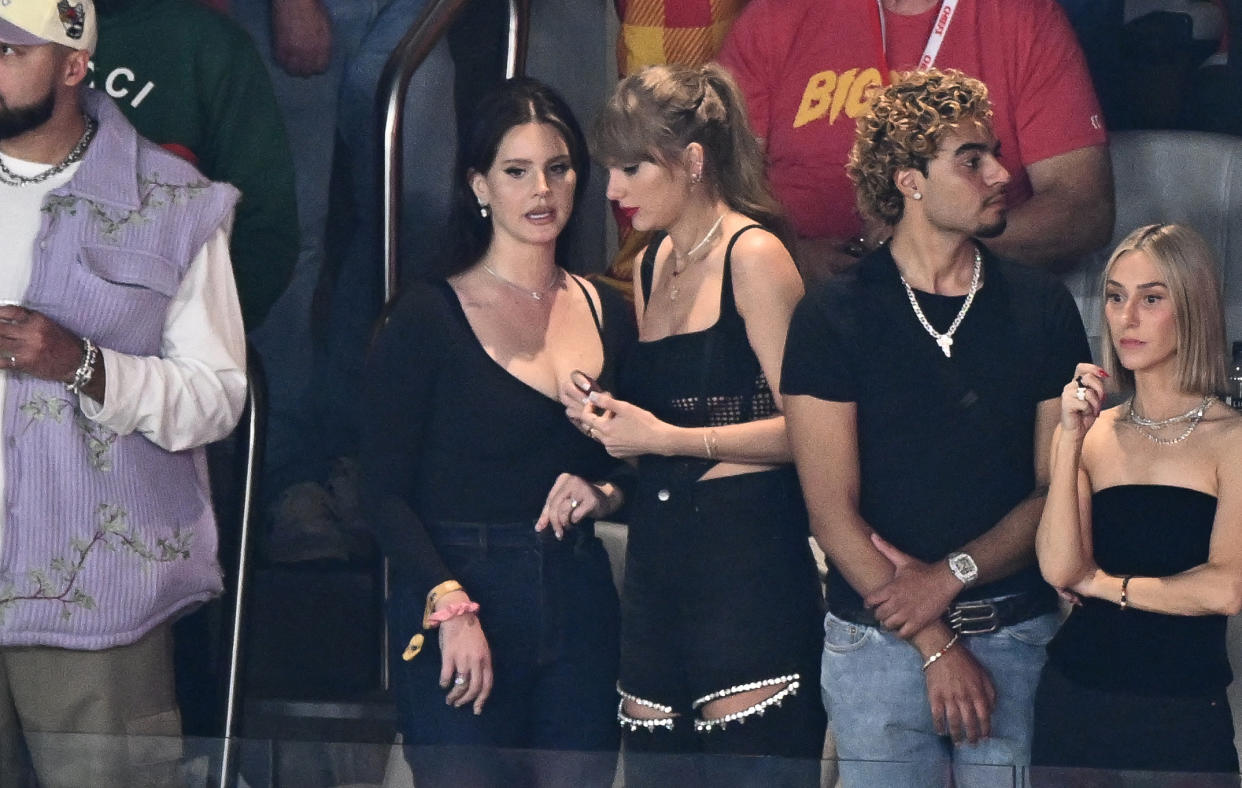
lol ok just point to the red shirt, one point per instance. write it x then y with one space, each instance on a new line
807 66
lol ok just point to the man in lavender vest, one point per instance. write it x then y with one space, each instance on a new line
122 351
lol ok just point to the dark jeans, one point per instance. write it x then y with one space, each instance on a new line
550 614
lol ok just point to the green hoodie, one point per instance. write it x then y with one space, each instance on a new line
190 79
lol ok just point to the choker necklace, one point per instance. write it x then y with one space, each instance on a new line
535 294
1145 425
691 257
75 155
945 340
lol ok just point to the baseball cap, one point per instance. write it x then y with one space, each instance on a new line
33 22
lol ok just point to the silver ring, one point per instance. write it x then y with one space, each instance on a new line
1081 393
458 680
574 503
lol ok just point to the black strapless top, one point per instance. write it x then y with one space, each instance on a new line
1146 530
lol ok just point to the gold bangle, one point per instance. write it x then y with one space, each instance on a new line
433 596
1125 586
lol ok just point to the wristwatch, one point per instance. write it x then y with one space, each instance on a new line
963 567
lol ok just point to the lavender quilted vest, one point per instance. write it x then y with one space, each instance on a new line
106 535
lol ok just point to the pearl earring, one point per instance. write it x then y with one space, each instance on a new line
483 211
917 195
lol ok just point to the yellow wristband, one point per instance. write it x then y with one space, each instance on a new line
433 596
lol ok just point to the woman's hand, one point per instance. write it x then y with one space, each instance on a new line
1081 400
625 430
465 658
573 498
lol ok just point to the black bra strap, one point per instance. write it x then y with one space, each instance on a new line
728 305
599 327
646 270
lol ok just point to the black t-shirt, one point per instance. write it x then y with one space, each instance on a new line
448 434
946 445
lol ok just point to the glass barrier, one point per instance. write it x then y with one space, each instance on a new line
86 761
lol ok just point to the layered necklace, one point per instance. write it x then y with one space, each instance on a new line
75 156
696 253
945 340
538 295
1148 427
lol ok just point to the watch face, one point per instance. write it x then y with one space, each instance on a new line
963 566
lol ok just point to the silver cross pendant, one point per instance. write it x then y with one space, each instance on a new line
945 342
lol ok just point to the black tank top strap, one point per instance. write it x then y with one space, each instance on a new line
728 304
599 326
646 271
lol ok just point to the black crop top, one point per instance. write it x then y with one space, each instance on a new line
1146 530
706 378
449 434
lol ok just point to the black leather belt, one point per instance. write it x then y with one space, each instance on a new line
970 617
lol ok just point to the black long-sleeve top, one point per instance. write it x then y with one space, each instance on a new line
448 434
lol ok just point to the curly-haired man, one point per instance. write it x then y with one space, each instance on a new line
921 393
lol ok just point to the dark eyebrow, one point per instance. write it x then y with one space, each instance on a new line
980 147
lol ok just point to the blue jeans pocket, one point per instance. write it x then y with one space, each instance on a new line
842 637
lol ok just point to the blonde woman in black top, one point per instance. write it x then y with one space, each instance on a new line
720 604
1143 525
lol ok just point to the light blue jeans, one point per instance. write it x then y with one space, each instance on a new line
880 717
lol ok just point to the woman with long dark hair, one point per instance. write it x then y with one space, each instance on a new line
721 608
1143 526
504 610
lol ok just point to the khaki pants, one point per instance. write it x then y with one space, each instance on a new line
90 718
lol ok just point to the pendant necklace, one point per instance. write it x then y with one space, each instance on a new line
945 340
75 155
535 294
1145 425
696 253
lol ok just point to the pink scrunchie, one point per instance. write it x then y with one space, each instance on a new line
451 611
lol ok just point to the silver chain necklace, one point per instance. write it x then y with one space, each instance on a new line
1145 425
535 294
75 155
945 340
691 257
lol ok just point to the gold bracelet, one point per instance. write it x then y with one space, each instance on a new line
433 596
1125 585
952 642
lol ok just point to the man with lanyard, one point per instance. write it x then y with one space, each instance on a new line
808 68
122 350
921 391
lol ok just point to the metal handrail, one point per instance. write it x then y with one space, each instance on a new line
432 24
255 425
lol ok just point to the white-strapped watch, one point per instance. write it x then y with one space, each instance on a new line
963 567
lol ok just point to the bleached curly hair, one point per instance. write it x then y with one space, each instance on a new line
903 130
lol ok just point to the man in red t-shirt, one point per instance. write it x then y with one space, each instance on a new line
808 68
